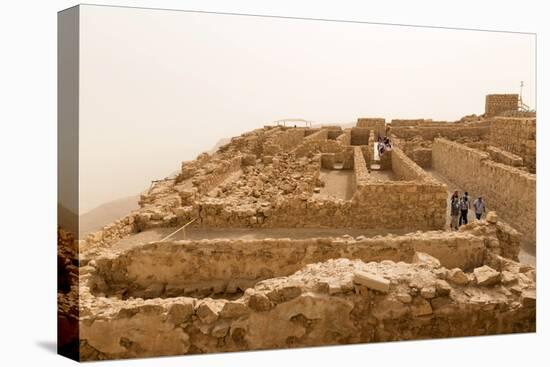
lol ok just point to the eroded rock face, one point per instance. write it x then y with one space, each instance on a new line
333 302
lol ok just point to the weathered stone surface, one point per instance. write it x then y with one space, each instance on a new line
371 281
423 258
457 276
209 312
492 217
442 287
486 276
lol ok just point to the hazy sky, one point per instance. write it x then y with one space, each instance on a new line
159 87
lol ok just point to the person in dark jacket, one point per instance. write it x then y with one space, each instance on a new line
455 210
464 206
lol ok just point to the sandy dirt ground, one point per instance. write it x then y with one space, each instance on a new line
338 184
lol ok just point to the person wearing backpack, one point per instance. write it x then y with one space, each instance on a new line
455 210
464 206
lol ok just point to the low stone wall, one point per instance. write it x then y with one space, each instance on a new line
453 131
498 103
189 267
508 190
517 136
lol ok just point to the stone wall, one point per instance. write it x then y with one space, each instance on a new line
283 140
508 190
345 137
311 147
498 103
378 125
518 136
406 169
360 170
359 136
319 135
188 266
452 132
418 203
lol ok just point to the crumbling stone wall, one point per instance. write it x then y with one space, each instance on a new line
518 136
508 190
311 147
496 104
283 140
178 268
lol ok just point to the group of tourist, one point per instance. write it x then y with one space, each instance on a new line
460 207
383 144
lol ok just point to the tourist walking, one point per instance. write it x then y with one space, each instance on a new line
479 207
455 210
464 206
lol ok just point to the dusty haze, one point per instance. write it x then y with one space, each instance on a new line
158 87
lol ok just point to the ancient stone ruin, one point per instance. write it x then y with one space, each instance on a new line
291 237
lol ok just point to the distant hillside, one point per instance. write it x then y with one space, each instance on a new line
67 219
107 213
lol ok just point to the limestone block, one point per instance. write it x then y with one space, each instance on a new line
220 330
180 312
457 276
492 217
421 307
208 311
371 281
259 302
442 287
233 309
486 276
424 258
